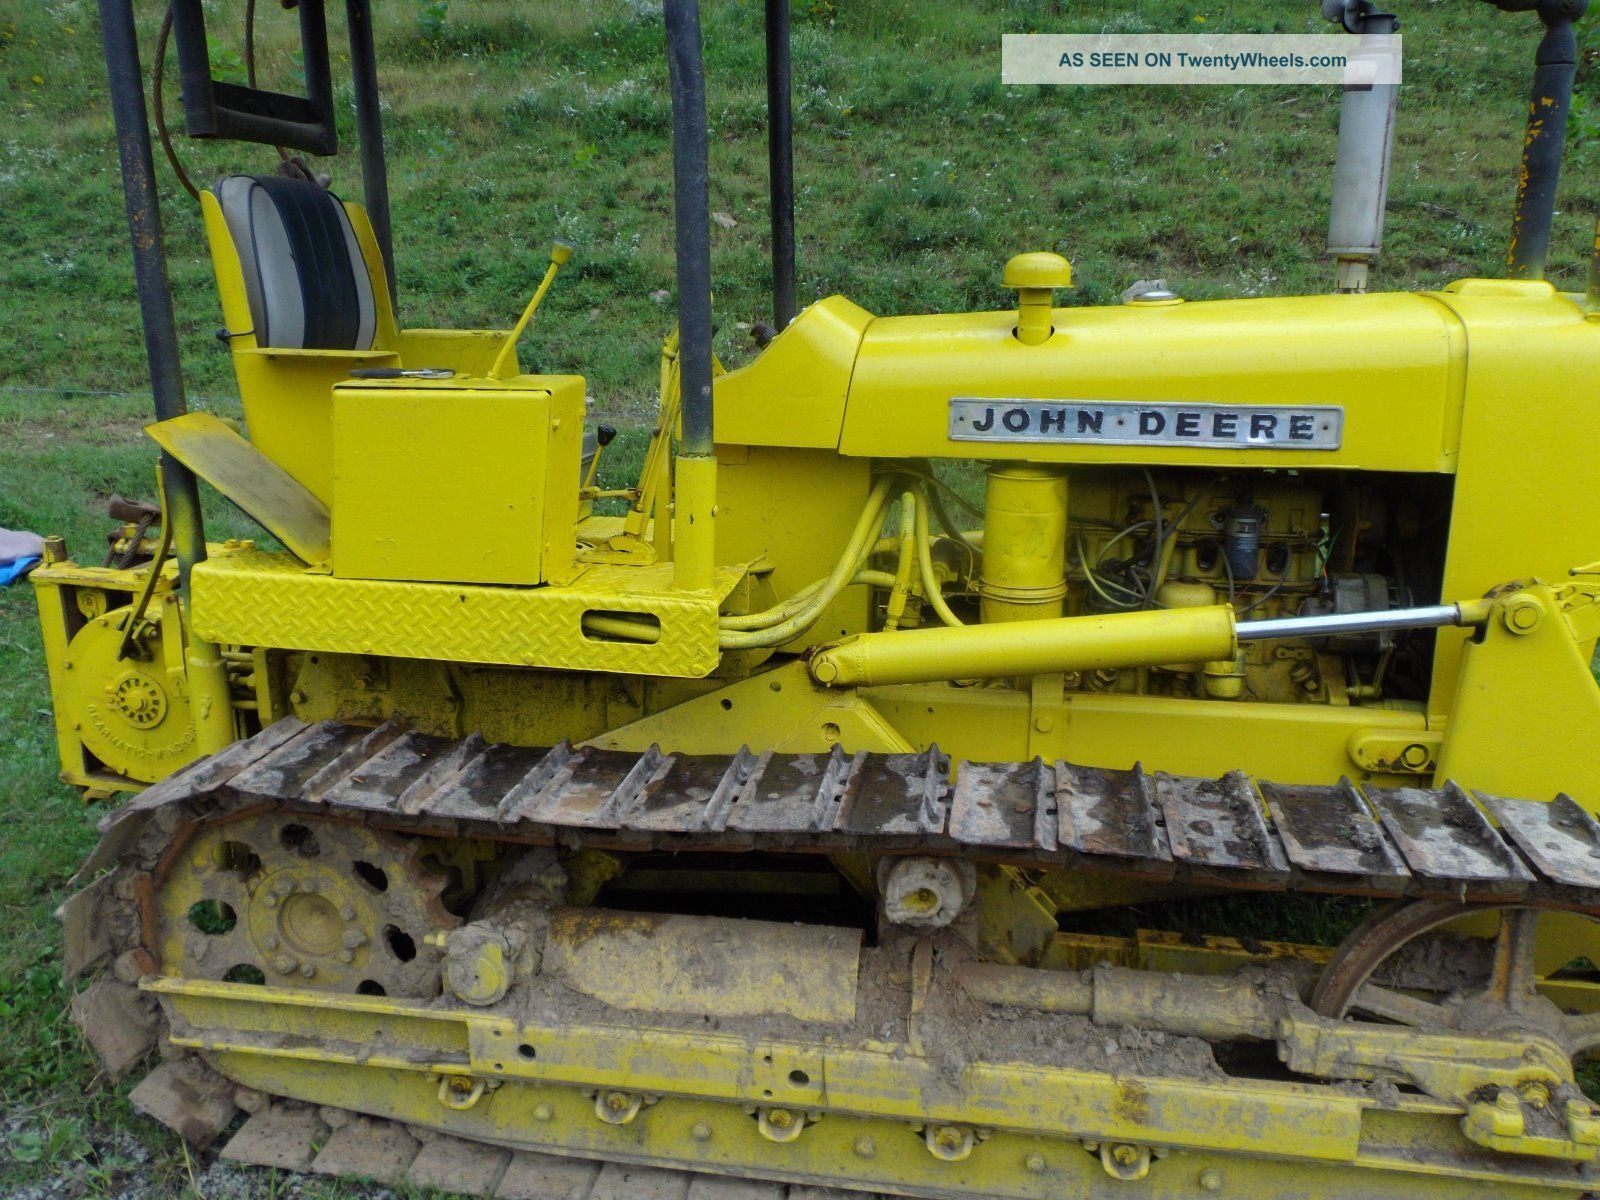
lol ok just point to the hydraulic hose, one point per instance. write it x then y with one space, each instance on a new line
930 582
905 562
803 600
856 551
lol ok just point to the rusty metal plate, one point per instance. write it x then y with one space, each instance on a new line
283 773
1331 830
1444 836
379 782
1110 812
794 793
475 791
1560 838
1218 823
895 794
999 804
694 795
593 788
212 771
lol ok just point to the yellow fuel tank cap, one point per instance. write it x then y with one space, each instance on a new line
1155 298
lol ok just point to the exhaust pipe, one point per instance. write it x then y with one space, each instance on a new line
1555 66
1366 144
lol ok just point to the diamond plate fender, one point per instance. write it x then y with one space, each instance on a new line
251 597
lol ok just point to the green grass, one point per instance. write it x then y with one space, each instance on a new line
520 122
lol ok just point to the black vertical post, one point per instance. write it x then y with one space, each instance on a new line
691 203
126 80
1555 67
369 128
780 162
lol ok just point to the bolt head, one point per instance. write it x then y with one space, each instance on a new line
701 1132
543 1112
1522 614
866 1147
1211 1179
284 964
1035 1164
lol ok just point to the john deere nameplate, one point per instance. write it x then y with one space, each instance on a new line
1128 423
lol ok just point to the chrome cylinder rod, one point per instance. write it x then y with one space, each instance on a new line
1431 616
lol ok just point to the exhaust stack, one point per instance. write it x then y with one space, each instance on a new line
1366 143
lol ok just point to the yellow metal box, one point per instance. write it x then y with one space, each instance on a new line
457 481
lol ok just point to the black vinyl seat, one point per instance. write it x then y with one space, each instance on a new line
307 281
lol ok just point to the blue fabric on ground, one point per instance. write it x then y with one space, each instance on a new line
14 570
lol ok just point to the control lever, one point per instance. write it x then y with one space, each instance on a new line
560 252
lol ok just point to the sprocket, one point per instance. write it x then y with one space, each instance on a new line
291 900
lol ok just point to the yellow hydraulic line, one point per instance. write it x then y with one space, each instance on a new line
901 589
878 579
769 617
930 582
856 551
559 253
631 630
804 599
623 628
1087 643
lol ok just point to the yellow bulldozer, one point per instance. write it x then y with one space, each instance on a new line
791 819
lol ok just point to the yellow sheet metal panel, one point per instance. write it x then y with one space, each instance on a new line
1286 743
468 483
1526 717
465 351
209 447
794 393
249 597
1526 448
1385 360
793 509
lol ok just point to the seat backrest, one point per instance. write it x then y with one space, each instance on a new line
308 285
